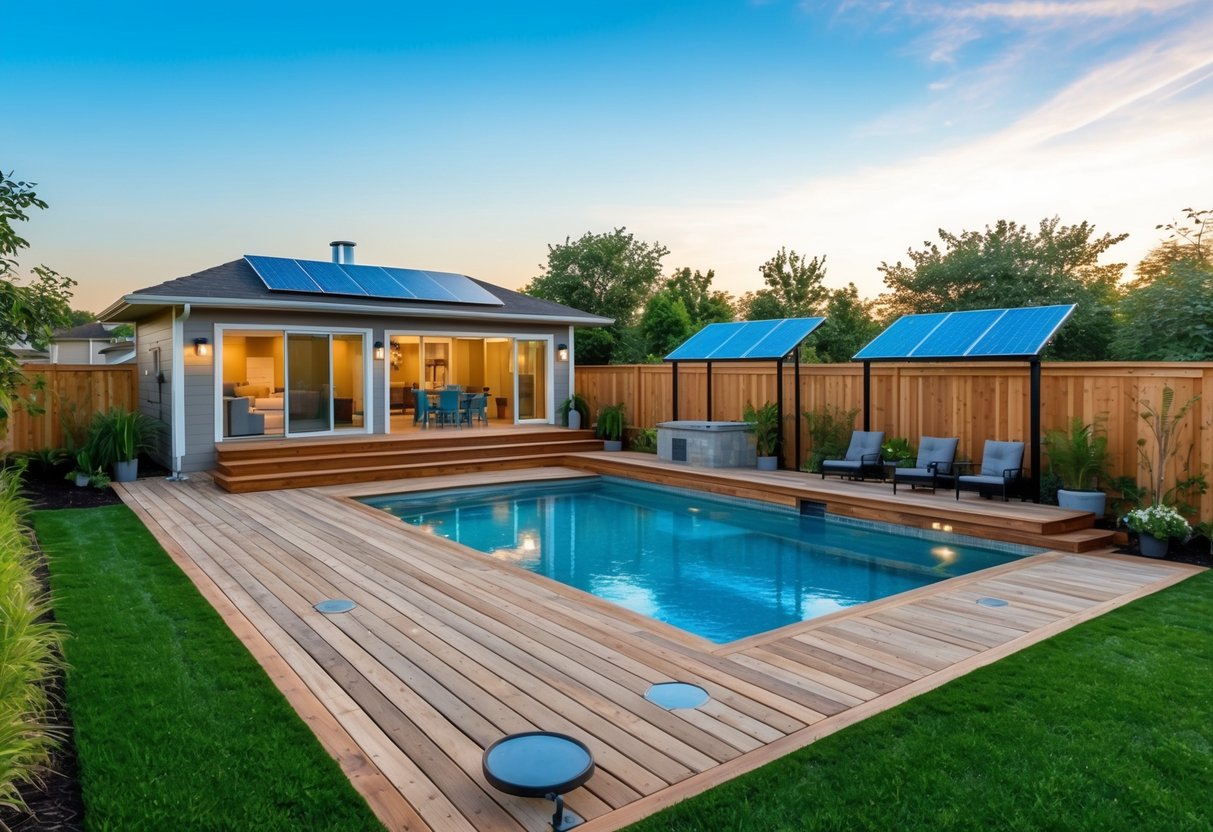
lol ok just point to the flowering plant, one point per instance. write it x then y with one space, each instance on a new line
1158 521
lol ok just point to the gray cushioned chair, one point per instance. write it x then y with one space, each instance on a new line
933 466
863 457
1001 470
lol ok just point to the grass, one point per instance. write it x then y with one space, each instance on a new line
177 726
1108 726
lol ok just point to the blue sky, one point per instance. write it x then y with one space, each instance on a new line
468 136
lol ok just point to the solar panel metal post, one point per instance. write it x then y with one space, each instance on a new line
796 399
867 393
709 391
674 392
779 410
1034 429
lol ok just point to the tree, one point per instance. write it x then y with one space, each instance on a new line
794 288
847 327
604 274
79 317
1167 312
1009 265
703 305
29 312
665 323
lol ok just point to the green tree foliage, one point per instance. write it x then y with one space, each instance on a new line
1010 265
32 310
1167 312
847 327
703 304
665 323
608 274
79 317
794 288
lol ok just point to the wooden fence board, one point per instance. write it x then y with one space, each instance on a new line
72 391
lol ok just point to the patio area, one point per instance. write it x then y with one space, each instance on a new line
449 651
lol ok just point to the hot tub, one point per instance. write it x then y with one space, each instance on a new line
706 444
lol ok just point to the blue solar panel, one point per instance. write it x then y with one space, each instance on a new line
327 278
902 337
959 331
283 274
1023 331
980 333
745 340
331 278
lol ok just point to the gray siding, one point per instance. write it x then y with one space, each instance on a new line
156 399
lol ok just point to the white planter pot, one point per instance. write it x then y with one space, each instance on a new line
574 419
126 471
1092 501
612 444
768 463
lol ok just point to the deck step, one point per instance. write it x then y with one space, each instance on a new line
266 465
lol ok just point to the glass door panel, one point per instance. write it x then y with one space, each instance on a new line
531 379
309 400
349 374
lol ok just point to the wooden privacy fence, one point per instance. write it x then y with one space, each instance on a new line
71 391
975 401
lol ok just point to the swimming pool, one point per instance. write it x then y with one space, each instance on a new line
717 567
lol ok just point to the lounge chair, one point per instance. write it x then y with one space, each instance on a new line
933 466
1001 470
863 457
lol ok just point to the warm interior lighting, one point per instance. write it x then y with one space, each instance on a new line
378 350
202 347
562 352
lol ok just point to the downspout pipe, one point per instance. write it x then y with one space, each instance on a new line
177 392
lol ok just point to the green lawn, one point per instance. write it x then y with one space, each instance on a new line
177 726
1108 726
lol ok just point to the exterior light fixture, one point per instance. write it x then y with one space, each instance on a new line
378 350
202 347
562 352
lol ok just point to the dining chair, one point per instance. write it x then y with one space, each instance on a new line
448 406
421 408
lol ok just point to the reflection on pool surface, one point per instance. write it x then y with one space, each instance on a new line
720 568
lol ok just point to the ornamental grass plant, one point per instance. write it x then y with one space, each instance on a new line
29 650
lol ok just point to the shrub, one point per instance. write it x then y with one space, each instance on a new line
29 650
645 441
764 421
1159 521
829 434
119 435
611 422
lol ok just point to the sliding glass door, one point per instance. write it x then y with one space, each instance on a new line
309 406
531 379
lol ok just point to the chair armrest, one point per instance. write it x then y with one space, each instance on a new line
871 459
965 464
1012 473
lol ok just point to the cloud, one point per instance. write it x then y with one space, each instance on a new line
1057 11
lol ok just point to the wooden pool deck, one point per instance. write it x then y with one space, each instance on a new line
450 650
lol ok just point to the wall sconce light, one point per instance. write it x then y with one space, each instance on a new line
378 350
202 347
562 352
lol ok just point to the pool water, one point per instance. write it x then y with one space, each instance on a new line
719 568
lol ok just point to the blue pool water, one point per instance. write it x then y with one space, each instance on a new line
722 569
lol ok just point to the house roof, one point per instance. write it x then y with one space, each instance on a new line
92 331
235 285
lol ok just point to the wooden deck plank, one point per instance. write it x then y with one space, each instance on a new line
448 651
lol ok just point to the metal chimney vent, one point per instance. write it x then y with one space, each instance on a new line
343 251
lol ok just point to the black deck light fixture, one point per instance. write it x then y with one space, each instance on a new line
378 350
562 352
202 347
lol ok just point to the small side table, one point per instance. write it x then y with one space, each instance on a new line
540 764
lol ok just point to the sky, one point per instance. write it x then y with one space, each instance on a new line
470 136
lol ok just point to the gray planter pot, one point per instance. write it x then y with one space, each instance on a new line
1095 502
768 463
574 419
612 444
1153 547
82 480
126 471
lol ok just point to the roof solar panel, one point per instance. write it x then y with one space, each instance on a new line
957 333
331 277
327 278
902 337
745 340
1023 331
979 333
281 273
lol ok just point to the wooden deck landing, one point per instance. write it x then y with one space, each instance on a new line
450 650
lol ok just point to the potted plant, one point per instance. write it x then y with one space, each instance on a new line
575 411
764 425
1156 525
898 451
117 436
83 471
1079 457
610 426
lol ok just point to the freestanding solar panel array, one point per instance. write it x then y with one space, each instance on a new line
320 277
979 333
745 340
